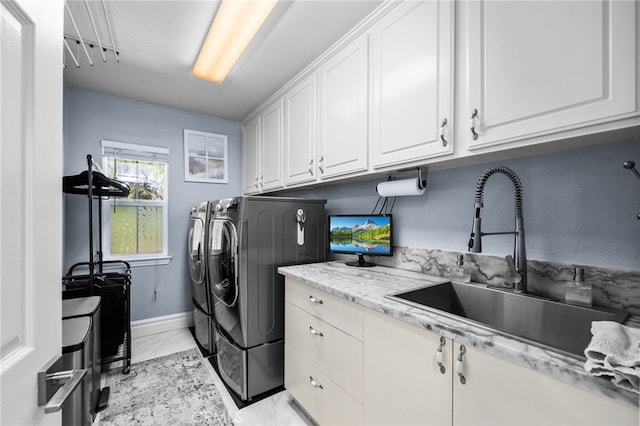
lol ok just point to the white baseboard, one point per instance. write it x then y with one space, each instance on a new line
149 326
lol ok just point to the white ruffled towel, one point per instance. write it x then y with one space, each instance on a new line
614 351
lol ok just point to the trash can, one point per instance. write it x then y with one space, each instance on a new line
89 307
76 355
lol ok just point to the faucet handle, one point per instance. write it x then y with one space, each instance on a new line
513 277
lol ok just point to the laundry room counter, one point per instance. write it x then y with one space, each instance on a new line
368 286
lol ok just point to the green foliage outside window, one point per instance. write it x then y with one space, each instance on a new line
137 228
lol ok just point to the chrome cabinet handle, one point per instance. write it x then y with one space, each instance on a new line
314 300
261 182
320 165
55 386
314 383
442 131
311 167
255 182
315 332
440 355
474 135
460 365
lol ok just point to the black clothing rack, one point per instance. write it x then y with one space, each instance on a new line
113 286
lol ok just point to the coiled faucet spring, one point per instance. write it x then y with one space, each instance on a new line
519 252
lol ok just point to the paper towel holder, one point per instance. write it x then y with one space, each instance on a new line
402 187
422 183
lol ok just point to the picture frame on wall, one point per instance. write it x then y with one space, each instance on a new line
205 157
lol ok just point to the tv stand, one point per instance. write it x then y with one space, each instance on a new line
361 262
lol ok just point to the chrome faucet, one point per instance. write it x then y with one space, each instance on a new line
519 282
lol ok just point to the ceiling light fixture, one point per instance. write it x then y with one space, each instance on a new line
233 28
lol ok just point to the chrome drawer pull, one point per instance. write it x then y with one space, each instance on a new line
460 365
314 332
439 355
314 300
474 134
314 383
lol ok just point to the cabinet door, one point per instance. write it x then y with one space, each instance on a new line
538 67
402 382
251 154
412 83
300 137
498 392
271 147
343 111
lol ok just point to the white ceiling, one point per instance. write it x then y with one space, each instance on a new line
159 41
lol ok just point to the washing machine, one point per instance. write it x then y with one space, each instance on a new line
203 313
249 238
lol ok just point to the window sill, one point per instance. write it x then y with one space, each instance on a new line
140 261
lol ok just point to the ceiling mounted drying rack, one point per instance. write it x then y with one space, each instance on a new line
85 43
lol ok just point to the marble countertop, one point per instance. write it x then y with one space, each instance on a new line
368 286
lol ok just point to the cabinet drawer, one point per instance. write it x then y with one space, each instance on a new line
333 352
334 310
326 402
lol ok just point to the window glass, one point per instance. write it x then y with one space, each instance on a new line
137 224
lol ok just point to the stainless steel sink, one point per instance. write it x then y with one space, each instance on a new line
554 324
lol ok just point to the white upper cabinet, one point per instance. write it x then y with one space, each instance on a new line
250 154
271 147
541 67
300 132
412 83
343 103
262 140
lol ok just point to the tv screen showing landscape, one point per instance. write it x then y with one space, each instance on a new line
360 234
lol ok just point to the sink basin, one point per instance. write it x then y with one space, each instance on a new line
554 324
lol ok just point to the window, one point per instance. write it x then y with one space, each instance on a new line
136 226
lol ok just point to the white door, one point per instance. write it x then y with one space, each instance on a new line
300 132
538 67
271 147
342 88
30 203
412 83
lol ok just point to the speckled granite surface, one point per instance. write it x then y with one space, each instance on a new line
614 288
368 286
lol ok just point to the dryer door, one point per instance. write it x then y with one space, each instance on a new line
197 264
223 264
196 246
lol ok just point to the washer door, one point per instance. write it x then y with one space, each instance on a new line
196 246
223 265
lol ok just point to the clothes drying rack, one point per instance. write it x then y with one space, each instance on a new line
113 286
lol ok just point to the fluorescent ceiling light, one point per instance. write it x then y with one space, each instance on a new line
233 28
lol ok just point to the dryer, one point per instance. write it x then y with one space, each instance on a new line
249 238
203 314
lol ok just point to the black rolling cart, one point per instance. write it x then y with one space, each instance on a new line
90 278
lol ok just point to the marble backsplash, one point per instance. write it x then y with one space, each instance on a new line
613 288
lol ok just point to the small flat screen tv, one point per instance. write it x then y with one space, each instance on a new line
361 235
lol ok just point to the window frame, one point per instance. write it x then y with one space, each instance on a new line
111 149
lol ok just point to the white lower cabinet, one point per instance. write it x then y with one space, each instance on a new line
348 365
403 384
498 392
324 354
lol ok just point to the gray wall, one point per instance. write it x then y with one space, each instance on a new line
90 117
580 206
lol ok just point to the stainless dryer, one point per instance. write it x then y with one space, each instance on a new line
249 237
202 303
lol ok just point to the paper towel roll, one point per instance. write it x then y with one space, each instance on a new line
396 188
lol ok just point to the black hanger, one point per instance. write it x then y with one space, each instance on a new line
102 186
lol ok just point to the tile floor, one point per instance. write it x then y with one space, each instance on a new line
277 410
